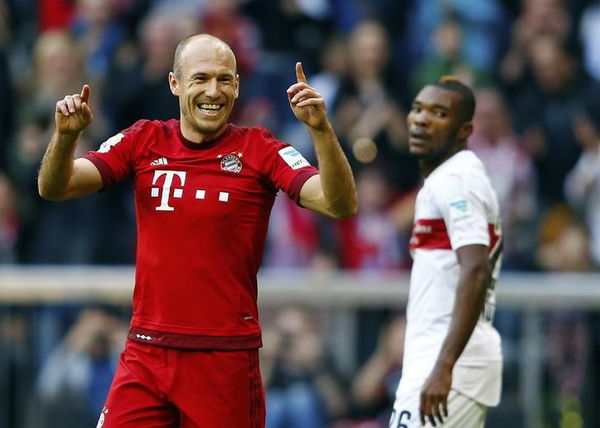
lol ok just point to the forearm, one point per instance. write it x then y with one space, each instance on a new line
57 166
470 297
336 176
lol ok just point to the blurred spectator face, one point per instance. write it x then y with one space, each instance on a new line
552 66
586 131
57 58
207 85
373 190
368 49
300 344
222 6
159 40
448 39
546 17
334 57
96 12
491 116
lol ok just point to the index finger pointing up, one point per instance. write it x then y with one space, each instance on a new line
300 73
85 93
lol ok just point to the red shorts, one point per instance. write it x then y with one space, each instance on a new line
157 387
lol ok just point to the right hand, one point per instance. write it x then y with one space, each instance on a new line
73 113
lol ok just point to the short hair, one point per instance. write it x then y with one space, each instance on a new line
182 45
178 53
467 97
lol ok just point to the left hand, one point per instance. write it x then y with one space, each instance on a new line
434 395
306 103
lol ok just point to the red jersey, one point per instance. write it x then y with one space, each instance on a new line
202 216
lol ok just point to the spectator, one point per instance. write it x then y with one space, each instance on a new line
374 386
76 376
582 186
16 367
544 113
512 174
370 123
47 238
483 23
371 241
303 391
295 239
563 242
6 87
223 19
537 18
99 31
590 34
138 87
9 220
447 58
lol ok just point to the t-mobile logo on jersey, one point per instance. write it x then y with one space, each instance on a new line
165 191
166 188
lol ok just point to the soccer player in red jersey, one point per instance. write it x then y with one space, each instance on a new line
204 189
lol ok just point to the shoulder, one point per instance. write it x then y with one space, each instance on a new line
462 174
258 136
138 127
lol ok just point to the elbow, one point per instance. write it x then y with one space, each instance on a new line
48 194
346 210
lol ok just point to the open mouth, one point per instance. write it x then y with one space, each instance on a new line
418 136
209 109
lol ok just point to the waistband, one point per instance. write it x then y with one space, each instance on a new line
188 341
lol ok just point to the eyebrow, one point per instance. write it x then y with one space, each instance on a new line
433 106
203 74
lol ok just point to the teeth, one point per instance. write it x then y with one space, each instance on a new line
210 106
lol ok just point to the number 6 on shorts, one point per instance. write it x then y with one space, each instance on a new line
397 418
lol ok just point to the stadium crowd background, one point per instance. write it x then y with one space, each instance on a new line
535 65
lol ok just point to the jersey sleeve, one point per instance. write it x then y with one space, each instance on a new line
463 209
114 157
285 167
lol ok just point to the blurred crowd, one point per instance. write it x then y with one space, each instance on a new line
535 66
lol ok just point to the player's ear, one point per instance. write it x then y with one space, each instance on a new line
237 86
465 131
173 84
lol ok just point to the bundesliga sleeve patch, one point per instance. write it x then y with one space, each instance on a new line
293 158
460 211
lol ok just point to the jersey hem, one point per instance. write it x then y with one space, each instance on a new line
195 342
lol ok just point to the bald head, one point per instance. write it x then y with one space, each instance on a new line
203 41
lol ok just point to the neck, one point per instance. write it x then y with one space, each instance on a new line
196 136
427 166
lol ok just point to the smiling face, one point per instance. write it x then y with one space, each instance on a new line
206 82
436 127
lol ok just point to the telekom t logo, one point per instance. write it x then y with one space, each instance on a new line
166 188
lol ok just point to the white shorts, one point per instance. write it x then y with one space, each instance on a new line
463 412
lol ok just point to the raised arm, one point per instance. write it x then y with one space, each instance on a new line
473 281
332 192
61 177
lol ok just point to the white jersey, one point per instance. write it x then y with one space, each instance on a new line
455 207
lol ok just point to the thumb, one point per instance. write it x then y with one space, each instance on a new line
300 76
85 93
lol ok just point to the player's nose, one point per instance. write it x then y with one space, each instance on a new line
212 88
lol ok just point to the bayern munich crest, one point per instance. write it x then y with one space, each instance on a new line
231 162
